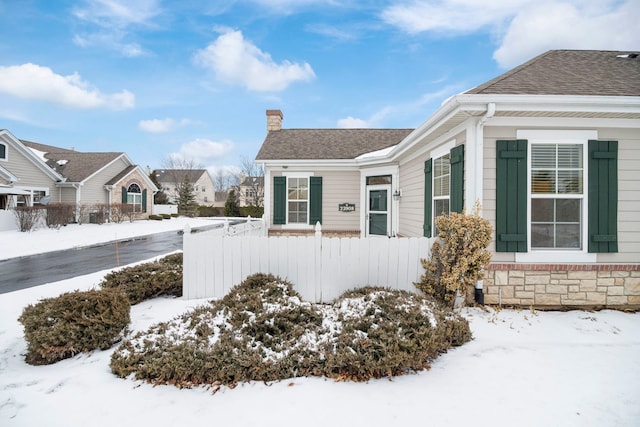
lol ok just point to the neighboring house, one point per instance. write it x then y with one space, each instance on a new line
550 149
203 186
251 191
32 171
220 199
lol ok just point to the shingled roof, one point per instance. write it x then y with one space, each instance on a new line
325 144
172 175
571 72
73 165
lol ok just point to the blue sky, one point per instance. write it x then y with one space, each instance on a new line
193 78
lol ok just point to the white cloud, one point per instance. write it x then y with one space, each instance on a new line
203 151
235 60
162 125
109 23
353 123
525 28
118 13
449 16
569 26
31 81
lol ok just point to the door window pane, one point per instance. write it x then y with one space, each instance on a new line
378 200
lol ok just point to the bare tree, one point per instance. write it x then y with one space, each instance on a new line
251 183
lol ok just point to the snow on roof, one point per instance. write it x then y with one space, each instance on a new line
377 153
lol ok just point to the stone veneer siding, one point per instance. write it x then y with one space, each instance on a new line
563 285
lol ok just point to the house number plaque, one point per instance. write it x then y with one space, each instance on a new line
346 207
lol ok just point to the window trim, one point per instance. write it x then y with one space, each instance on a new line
129 193
538 137
297 225
5 158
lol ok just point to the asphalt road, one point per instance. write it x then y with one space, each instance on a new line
25 272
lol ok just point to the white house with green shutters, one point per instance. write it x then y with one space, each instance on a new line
550 150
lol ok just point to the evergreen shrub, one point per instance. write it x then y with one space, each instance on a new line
263 331
61 327
149 280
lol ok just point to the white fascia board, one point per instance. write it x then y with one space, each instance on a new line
7 175
8 137
150 183
569 103
478 103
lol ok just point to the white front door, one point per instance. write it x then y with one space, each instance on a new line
378 213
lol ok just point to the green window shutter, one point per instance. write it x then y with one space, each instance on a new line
124 195
279 200
511 196
144 200
456 198
603 196
315 200
428 202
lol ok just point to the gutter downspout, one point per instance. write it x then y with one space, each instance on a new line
479 143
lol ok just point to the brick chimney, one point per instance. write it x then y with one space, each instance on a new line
274 120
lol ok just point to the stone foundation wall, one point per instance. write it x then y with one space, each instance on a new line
558 285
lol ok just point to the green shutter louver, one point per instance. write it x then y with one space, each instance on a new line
124 195
456 160
279 200
144 200
603 196
428 203
315 200
511 196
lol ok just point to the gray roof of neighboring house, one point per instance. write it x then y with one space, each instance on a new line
173 175
570 72
73 165
290 144
248 181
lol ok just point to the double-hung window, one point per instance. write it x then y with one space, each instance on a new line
134 197
297 199
443 184
556 190
557 195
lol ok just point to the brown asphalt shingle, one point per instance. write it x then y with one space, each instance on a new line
327 143
73 165
570 72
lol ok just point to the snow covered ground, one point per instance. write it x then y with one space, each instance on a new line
522 369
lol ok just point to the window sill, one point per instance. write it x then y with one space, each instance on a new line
555 257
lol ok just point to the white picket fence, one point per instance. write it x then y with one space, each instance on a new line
319 268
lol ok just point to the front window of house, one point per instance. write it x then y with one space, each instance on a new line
441 186
298 200
38 195
557 196
3 152
134 197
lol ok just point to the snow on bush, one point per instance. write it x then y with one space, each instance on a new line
263 331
